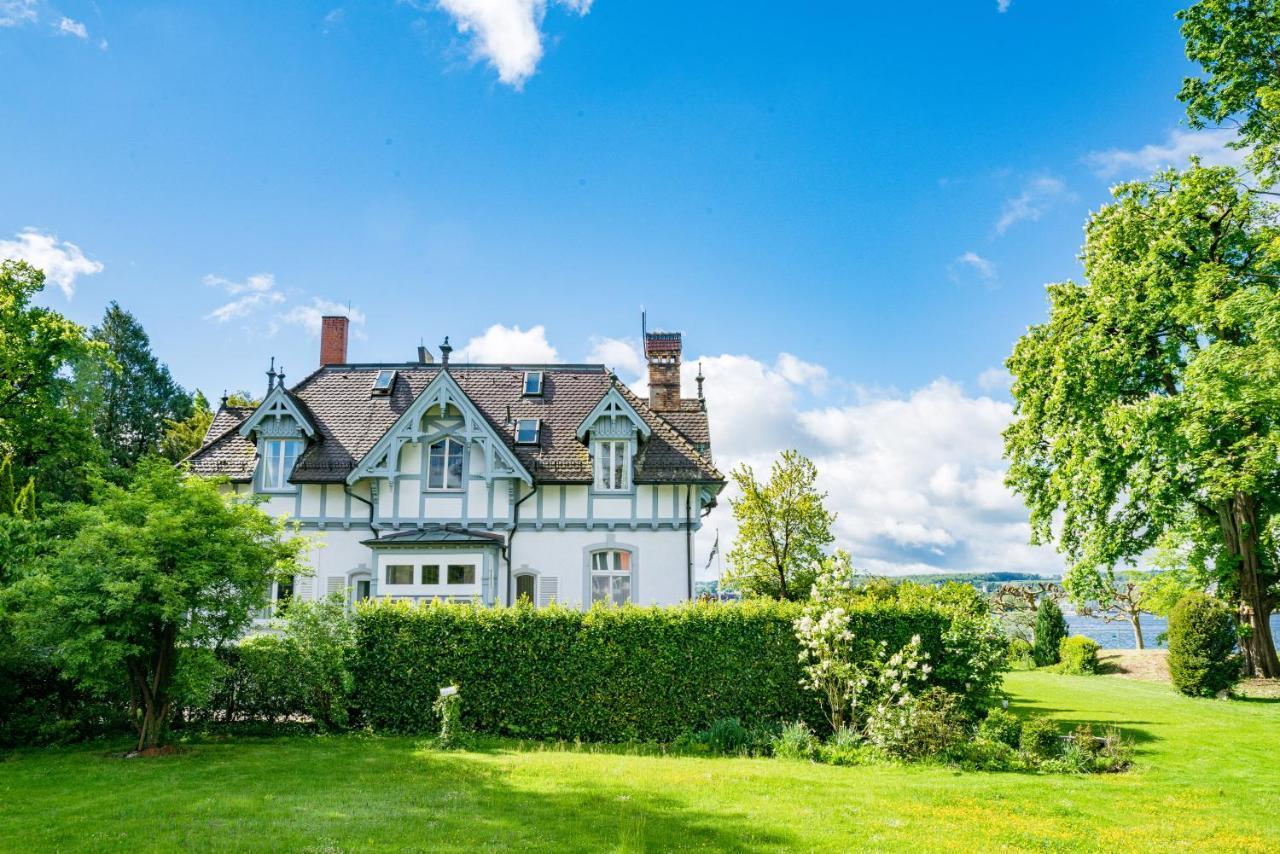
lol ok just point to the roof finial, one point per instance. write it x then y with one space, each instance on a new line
445 350
702 401
271 375
280 375
224 397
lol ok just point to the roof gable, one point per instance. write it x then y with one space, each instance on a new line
614 406
277 405
442 392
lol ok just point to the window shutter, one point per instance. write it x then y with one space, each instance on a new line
334 584
548 591
304 587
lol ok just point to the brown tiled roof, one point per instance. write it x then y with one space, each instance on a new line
691 421
224 419
351 421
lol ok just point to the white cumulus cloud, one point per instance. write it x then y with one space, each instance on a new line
1211 146
985 268
68 27
254 293
62 262
620 355
15 13
308 316
1036 197
506 33
509 345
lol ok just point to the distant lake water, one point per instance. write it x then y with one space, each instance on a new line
1120 635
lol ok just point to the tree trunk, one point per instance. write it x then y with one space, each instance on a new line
149 684
1135 620
1240 534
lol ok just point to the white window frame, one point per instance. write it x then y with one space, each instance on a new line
537 430
449 442
525 385
613 564
607 451
276 461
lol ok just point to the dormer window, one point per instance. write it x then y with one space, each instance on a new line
532 384
527 431
278 458
613 465
383 382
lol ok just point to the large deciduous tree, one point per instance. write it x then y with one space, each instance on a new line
183 436
1237 43
164 565
783 529
48 389
1148 406
139 396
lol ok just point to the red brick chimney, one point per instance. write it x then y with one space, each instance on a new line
662 351
333 340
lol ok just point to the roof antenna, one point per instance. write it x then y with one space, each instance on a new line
644 325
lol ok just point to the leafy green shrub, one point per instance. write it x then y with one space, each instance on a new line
1020 655
1040 737
609 674
985 754
1002 726
1202 641
1079 655
321 636
845 747
1051 628
796 741
918 726
727 736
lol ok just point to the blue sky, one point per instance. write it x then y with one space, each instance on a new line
880 193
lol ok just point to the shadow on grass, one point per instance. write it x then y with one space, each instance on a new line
1068 719
583 813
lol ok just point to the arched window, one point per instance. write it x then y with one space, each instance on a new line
444 464
611 576
527 587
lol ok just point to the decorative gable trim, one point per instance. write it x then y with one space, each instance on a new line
269 418
443 391
617 410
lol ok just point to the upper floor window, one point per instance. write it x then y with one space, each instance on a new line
526 431
613 465
277 462
611 576
533 382
444 464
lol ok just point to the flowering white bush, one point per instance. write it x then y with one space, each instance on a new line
826 640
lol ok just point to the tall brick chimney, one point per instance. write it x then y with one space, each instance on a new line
333 340
662 351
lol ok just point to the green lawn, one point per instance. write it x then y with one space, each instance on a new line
1207 778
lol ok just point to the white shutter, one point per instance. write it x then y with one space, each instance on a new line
334 584
548 590
304 587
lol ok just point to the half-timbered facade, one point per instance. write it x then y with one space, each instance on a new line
479 482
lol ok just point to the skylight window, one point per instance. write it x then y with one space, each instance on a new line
383 382
527 431
533 382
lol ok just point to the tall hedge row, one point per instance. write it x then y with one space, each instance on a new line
608 674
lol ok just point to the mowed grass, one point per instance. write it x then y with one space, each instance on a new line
1207 778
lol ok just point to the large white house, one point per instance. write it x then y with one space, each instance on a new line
424 479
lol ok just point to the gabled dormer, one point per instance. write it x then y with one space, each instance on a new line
613 431
280 428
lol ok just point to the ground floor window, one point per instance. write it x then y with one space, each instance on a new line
462 573
611 576
400 573
526 587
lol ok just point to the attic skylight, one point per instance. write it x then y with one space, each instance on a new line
526 431
532 383
383 382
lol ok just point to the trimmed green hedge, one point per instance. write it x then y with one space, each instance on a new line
609 674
